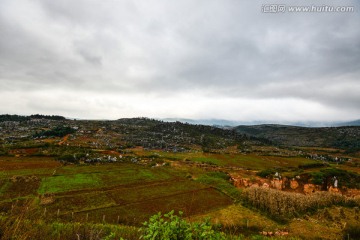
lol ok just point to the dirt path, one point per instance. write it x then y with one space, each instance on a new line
64 139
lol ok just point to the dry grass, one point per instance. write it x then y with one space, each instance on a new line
26 222
284 205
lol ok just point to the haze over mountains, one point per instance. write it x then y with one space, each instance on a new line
210 121
230 123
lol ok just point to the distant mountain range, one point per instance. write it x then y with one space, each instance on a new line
229 123
352 123
209 122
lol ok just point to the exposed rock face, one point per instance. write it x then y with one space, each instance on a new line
311 188
241 182
277 184
294 184
334 190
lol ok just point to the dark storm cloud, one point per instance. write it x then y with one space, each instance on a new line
218 49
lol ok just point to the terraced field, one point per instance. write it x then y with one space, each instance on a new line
248 161
118 192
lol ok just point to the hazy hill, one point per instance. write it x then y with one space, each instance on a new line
352 123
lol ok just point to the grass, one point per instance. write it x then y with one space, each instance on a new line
209 160
137 174
74 177
220 181
63 183
3 187
238 219
249 161
27 229
326 223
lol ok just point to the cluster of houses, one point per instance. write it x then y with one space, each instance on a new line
327 158
109 159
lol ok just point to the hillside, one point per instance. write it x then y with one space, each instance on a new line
346 138
75 178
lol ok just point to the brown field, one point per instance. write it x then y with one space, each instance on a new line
18 163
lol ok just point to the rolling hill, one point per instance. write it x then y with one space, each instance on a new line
340 137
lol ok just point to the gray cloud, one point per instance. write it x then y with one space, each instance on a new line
159 49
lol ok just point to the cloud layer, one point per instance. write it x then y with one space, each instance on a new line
193 59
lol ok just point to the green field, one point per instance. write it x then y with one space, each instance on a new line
66 183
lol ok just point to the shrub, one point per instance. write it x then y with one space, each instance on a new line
171 226
265 173
346 178
59 131
317 178
313 165
68 158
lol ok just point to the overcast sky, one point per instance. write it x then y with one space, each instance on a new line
224 59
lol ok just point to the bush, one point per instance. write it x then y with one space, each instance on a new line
313 165
265 173
317 178
59 131
171 226
346 178
68 158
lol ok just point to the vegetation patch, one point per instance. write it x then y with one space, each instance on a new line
63 183
220 180
171 226
59 131
208 160
344 178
